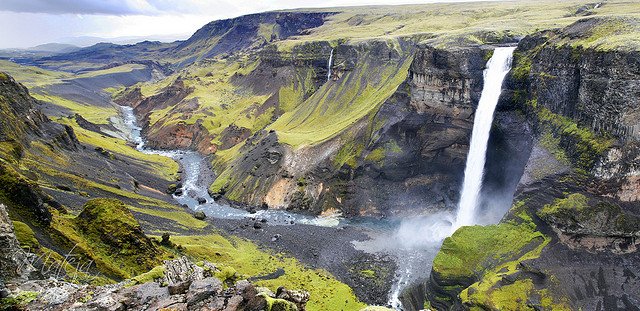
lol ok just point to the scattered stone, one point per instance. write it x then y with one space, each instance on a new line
203 289
234 303
257 225
166 239
178 192
174 302
145 294
276 237
13 260
199 215
299 298
182 270
172 189
202 200
217 304
108 301
179 288
58 293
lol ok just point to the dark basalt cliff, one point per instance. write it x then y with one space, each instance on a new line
416 150
237 34
425 135
21 121
578 195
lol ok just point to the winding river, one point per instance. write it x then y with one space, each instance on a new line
196 177
413 244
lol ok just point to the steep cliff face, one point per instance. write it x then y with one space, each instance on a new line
364 140
21 120
416 158
21 123
587 99
14 262
236 34
290 166
570 239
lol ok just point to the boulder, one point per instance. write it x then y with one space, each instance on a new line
182 270
14 261
298 297
144 294
199 215
203 289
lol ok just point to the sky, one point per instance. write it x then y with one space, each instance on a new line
27 23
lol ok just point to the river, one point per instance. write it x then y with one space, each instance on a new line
409 240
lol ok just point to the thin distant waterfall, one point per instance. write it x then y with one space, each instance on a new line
329 65
497 68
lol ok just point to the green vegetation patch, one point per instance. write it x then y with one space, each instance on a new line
182 218
126 68
19 301
25 236
588 145
376 156
338 105
348 154
576 213
248 260
163 166
107 233
619 33
93 114
491 257
32 76
470 250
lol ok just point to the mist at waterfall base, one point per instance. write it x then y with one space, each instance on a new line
415 241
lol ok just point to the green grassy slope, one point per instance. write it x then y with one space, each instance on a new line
474 22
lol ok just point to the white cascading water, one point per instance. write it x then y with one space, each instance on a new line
329 66
497 68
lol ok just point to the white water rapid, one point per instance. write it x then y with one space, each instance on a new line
196 181
329 66
497 68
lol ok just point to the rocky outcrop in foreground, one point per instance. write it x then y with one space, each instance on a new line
182 286
14 263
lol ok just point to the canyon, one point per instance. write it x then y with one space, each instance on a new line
325 151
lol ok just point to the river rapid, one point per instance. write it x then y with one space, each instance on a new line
412 243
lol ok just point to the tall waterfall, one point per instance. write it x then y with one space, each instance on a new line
497 68
329 66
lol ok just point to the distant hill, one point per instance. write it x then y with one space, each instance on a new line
55 48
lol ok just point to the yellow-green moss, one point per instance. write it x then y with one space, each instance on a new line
107 233
154 274
348 154
469 249
376 156
588 145
25 236
248 260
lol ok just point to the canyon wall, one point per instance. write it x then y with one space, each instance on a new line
574 218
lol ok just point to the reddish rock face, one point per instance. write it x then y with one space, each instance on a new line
182 136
